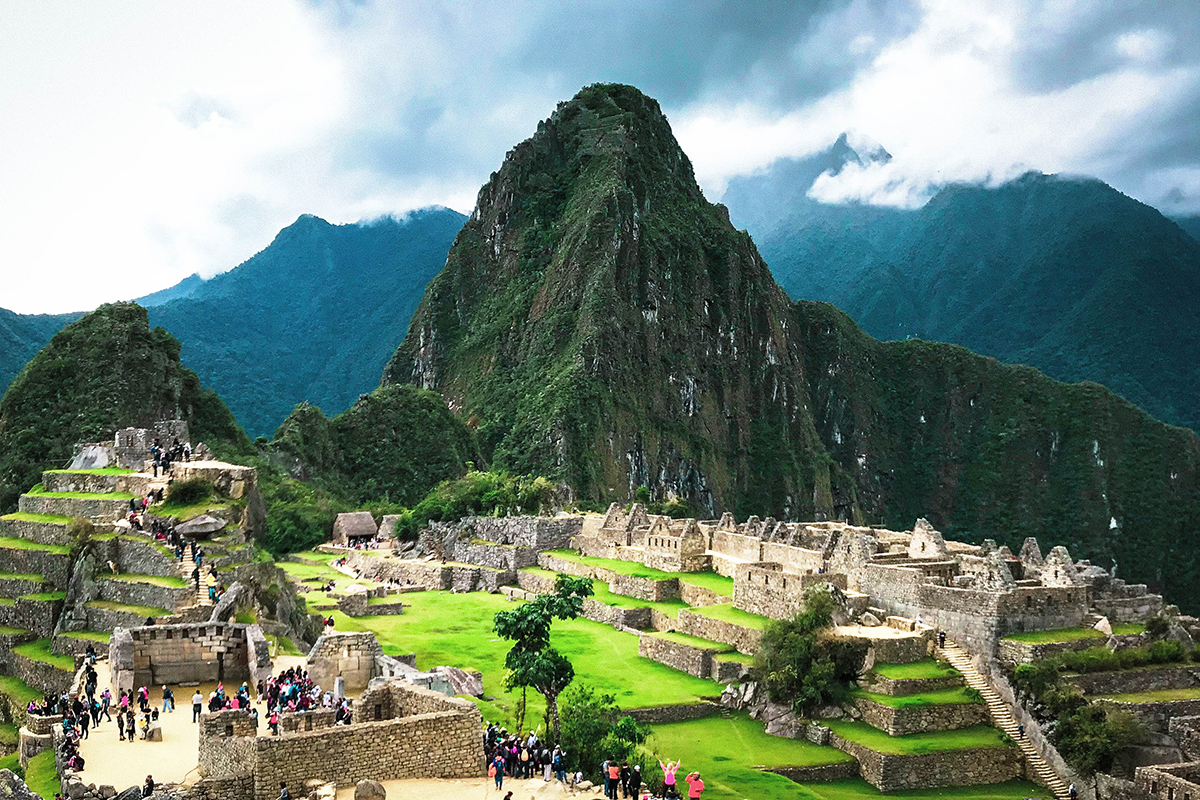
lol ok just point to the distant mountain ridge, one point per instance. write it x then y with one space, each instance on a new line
1065 274
312 318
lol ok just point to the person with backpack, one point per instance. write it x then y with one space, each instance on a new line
496 771
635 781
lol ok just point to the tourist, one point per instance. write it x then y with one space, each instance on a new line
496 771
613 779
1020 731
695 785
168 700
273 723
1072 792
148 787
625 779
558 762
130 724
284 794
91 653
197 705
669 777
84 719
942 639
635 781
105 702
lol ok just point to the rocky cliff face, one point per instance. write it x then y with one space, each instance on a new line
599 322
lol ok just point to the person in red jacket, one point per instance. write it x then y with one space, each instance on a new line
695 785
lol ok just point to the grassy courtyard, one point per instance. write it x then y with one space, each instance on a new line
918 743
944 697
917 670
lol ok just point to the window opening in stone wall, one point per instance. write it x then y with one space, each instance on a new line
229 730
308 723
378 712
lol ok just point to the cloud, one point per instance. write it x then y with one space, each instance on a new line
144 142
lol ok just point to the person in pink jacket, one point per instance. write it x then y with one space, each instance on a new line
669 770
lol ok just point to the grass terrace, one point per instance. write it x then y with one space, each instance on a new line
918 743
18 690
184 513
709 580
283 645
735 616
45 597
22 576
6 630
734 655
13 543
1160 696
40 651
88 636
917 670
692 641
943 697
9 735
7 601
602 594
1128 629
633 568
858 789
1060 635
22 516
40 491
165 581
141 611
11 762
456 630
42 776
731 752
99 471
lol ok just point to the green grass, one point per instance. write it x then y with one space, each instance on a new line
692 641
602 594
41 775
38 491
7 601
306 572
1060 635
1160 696
166 581
735 616
88 636
633 568
40 651
99 471
918 670
858 789
141 611
27 576
45 597
709 580
391 599
9 735
740 658
728 751
456 630
23 516
20 692
12 763
918 743
6 630
246 617
1128 628
12 543
184 513
943 697
284 646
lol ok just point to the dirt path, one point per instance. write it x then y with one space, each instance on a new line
481 789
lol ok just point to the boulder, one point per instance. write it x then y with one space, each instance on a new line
76 790
1104 626
369 790
132 793
464 683
13 788
106 791
869 620
154 733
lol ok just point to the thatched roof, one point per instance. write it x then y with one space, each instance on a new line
354 524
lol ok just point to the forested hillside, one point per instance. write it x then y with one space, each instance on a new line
22 335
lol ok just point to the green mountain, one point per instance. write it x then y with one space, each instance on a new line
393 445
22 335
185 288
106 371
1191 225
1067 275
313 317
601 323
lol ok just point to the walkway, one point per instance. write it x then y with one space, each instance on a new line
1002 718
185 571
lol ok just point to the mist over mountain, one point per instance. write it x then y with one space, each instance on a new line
1065 274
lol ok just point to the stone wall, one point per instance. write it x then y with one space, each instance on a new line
620 618
695 661
1170 781
825 772
1147 679
7 642
699 596
70 646
40 532
1014 653
349 655
537 533
431 575
230 480
15 587
441 738
661 715
54 567
226 744
743 639
136 484
921 719
186 653
1186 731
793 559
99 509
737 546
136 554
765 589
1157 717
303 721
874 682
952 768
641 588
37 616
146 594
535 582
42 676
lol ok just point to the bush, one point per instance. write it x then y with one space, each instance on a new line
189 492
1088 737
1158 627
477 493
593 729
1167 651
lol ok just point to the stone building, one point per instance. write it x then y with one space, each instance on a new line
353 526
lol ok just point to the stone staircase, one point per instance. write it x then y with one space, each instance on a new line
185 570
1039 771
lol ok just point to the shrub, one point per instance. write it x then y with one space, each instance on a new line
189 492
593 729
1167 651
1158 627
494 493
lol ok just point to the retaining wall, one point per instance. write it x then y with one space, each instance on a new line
100 509
743 639
921 719
135 484
40 532
54 567
145 594
695 661
1147 679
699 596
933 770
874 682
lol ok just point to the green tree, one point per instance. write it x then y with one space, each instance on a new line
531 661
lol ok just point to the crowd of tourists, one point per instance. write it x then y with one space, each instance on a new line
162 458
294 690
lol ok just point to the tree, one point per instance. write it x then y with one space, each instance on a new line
531 661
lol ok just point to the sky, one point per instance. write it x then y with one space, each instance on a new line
143 141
